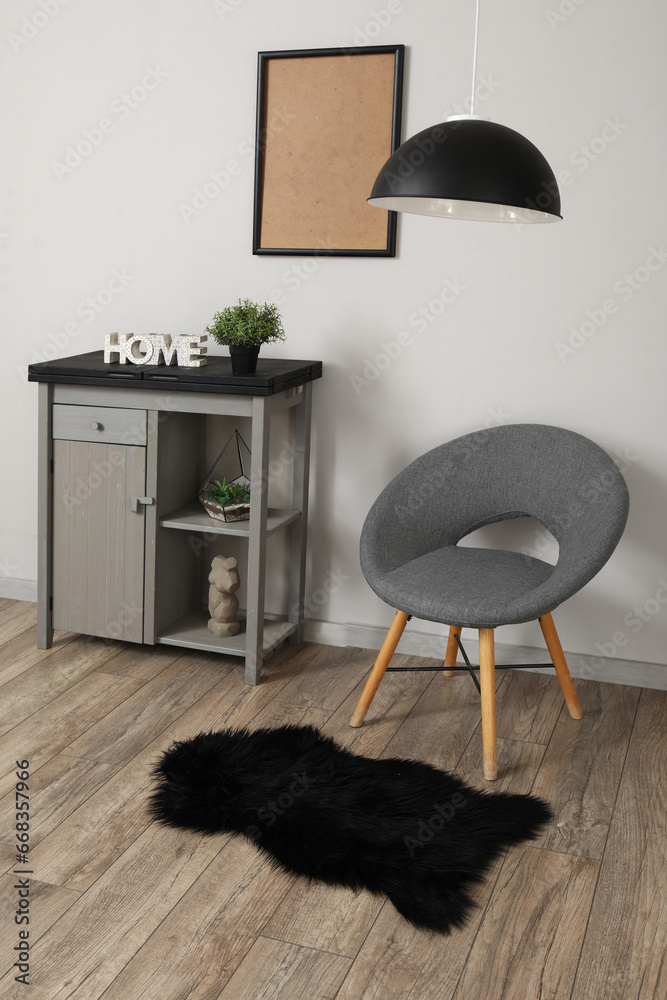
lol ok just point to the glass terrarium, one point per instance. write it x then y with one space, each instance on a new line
225 493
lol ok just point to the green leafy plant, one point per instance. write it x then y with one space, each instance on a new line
247 324
225 493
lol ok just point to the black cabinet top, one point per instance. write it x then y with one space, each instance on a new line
273 374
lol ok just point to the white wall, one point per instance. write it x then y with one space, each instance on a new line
557 77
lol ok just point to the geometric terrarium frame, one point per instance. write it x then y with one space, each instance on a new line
225 493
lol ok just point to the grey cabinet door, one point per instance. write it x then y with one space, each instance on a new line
98 541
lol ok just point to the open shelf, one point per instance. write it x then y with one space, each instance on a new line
192 632
193 517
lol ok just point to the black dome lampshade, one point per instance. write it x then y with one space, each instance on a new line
469 168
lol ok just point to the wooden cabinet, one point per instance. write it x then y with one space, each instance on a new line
123 543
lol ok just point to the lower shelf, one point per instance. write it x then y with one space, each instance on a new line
192 632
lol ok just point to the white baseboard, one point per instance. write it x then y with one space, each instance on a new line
432 644
18 590
414 643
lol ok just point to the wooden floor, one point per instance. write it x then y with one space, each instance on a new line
122 909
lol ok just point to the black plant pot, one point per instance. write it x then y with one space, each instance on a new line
244 360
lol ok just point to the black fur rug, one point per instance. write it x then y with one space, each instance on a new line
398 827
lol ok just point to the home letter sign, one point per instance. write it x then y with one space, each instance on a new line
155 349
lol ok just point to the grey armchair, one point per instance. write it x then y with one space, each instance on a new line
411 559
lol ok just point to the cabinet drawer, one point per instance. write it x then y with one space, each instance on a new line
106 424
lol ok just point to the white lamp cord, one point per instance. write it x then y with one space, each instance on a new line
474 62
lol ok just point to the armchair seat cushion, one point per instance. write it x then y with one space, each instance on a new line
476 588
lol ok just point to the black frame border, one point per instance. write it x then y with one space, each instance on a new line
263 58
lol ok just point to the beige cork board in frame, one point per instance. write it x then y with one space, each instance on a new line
327 121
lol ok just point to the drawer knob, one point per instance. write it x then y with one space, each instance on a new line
96 425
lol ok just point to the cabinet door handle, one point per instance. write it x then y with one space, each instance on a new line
97 426
136 501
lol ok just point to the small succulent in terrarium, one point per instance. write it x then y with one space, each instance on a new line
225 493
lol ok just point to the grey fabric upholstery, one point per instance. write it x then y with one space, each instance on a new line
409 552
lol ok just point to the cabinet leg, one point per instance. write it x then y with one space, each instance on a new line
44 634
297 636
297 578
259 483
44 517
253 668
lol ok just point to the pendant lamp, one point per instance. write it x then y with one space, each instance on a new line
469 168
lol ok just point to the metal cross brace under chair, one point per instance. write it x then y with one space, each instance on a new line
469 667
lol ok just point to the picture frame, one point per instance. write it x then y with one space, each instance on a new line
327 121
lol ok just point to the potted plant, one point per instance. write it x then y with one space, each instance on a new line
244 328
227 501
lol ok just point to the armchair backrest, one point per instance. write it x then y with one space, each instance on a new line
557 476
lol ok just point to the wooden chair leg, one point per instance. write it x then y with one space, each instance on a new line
560 663
452 650
377 673
487 682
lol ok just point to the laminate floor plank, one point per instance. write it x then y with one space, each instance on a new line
528 706
397 961
329 677
143 663
82 953
519 765
19 617
125 731
53 727
57 789
87 843
623 956
203 939
47 904
582 767
441 724
50 678
532 928
21 653
275 969
328 918
289 658
6 603
279 714
396 697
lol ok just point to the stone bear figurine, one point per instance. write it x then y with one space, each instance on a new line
222 605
